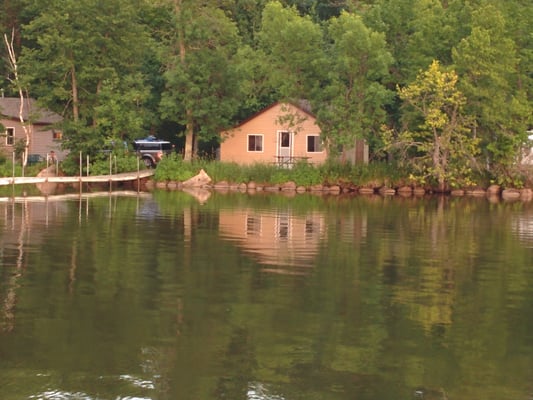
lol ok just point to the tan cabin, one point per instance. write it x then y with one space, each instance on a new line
44 139
282 134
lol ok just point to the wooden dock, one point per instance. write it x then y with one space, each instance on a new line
124 177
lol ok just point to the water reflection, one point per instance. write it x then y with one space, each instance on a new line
165 295
277 239
523 228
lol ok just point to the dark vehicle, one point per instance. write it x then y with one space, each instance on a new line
151 150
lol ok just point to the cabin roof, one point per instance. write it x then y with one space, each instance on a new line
303 105
10 107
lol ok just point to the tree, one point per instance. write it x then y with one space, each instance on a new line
440 146
202 87
292 47
73 48
351 103
13 64
12 16
488 63
417 32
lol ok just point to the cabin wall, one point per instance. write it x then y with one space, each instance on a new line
234 147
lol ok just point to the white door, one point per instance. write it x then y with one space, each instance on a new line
285 139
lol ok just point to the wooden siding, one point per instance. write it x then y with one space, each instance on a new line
234 147
41 142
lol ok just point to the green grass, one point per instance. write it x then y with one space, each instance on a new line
173 168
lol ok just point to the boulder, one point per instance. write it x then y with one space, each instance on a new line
47 188
199 180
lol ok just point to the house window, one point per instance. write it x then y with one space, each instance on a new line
314 144
56 135
10 136
255 142
253 225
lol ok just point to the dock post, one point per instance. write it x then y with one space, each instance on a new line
13 175
138 175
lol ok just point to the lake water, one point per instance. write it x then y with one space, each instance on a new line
265 297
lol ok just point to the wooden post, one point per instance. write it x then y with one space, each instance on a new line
81 172
110 170
13 174
138 177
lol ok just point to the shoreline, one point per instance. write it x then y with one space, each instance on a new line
494 191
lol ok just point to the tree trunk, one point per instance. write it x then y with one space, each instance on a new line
12 58
75 99
189 138
189 128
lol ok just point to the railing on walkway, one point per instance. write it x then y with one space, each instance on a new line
289 161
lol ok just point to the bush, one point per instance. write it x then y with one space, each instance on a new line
121 161
172 168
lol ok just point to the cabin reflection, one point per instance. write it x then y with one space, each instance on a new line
522 226
275 239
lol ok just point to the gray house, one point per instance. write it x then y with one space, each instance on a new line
44 138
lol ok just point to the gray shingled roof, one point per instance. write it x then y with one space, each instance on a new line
10 106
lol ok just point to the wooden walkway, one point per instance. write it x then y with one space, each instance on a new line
124 177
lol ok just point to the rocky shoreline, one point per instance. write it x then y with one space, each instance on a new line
494 191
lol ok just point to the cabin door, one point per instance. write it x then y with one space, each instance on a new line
285 140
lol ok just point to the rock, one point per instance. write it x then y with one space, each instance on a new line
198 181
316 188
405 190
222 185
476 193
510 194
493 190
387 191
526 194
334 189
366 190
418 191
288 186
47 188
172 185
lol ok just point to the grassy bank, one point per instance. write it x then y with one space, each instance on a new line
174 169
302 174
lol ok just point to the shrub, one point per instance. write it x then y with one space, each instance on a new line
172 168
121 161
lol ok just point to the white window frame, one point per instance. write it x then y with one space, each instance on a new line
307 144
10 137
262 143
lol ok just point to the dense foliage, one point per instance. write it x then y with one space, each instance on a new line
187 69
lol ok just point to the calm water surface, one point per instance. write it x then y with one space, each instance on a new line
265 297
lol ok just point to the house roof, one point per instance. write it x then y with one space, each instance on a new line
303 105
10 107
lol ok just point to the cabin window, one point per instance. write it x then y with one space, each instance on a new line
253 225
255 142
56 135
314 144
10 136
